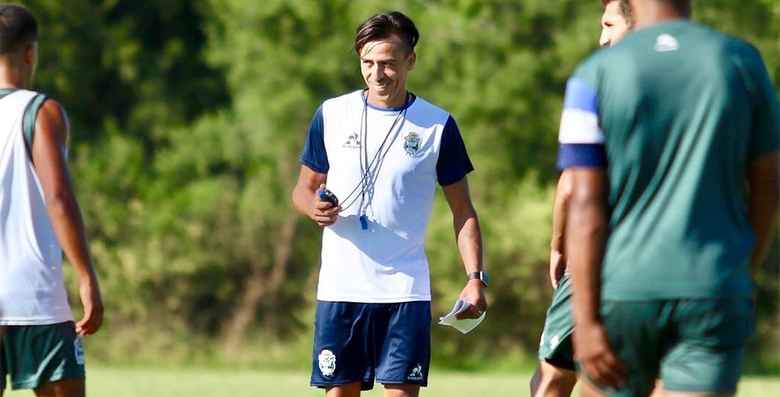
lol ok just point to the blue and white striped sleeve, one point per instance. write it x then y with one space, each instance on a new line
581 139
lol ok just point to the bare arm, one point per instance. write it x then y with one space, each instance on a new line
764 182
585 241
469 239
306 200
49 158
557 247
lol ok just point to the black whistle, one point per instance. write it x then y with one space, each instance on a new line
327 195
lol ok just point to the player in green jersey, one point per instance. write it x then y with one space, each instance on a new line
661 135
555 374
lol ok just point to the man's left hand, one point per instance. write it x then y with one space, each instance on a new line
474 294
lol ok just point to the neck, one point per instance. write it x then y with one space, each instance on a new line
395 100
11 77
651 12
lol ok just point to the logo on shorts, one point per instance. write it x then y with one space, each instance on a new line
555 340
78 350
416 373
353 141
666 43
327 362
412 143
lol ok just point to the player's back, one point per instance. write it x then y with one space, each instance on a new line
677 103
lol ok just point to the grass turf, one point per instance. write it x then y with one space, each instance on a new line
137 382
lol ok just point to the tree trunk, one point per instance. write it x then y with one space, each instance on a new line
259 285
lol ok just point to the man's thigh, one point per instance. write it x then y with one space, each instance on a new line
62 388
342 339
555 346
692 346
636 335
37 355
707 356
404 345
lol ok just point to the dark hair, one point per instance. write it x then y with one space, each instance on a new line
625 10
382 26
18 27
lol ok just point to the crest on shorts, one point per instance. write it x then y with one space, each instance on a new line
416 373
78 350
412 143
353 141
327 361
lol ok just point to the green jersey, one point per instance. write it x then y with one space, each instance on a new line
676 112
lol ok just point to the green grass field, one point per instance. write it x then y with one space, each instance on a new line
114 382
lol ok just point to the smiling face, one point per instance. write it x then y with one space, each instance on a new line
613 24
385 65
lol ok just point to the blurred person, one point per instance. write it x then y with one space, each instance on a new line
42 347
672 142
382 150
556 373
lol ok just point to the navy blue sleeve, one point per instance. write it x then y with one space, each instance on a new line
314 155
454 162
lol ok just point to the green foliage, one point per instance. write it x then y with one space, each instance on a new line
188 118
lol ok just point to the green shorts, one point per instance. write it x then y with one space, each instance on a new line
33 355
691 345
555 346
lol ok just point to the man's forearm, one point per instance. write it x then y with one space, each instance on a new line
469 238
562 197
763 205
302 197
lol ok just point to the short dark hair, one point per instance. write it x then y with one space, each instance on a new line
18 27
625 10
382 26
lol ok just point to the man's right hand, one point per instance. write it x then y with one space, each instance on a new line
557 267
89 291
598 360
324 213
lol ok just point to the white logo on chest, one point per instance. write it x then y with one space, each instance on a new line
353 141
666 43
327 361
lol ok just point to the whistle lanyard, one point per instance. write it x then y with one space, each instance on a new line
369 170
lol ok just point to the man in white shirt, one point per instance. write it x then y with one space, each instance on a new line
41 346
381 151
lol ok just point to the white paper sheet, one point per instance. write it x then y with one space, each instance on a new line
465 325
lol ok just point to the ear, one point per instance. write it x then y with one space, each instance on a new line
412 60
30 53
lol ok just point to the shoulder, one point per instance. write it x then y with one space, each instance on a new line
52 119
591 68
426 109
343 101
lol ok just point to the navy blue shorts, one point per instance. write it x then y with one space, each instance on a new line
358 342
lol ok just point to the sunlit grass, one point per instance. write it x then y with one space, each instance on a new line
143 382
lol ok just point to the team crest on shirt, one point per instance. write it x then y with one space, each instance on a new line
416 373
353 141
412 143
327 361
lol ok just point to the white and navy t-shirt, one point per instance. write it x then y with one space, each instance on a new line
384 262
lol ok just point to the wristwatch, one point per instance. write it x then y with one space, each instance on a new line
481 276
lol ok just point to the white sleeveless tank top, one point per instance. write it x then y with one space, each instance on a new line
32 290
